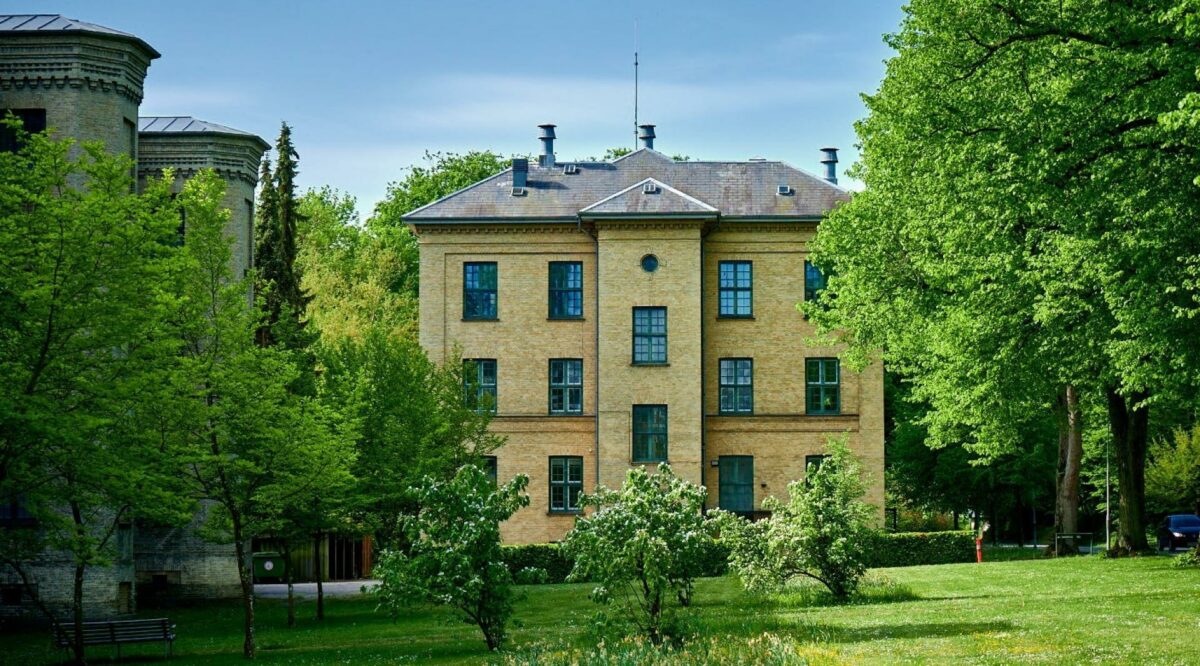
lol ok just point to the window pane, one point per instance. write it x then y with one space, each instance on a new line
556 470
575 400
557 494
575 470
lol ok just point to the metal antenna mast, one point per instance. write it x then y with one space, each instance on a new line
635 83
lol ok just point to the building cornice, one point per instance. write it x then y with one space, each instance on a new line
74 60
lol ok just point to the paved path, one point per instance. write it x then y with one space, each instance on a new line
333 589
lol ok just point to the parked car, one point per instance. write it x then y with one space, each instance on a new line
1178 530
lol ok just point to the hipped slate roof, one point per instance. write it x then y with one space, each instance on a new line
190 126
52 23
746 190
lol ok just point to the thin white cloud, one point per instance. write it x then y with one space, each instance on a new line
169 99
494 102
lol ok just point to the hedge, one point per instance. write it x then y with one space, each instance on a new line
549 557
899 549
906 549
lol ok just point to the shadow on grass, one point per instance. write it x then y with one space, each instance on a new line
806 631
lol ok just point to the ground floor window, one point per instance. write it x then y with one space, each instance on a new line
813 463
736 483
566 482
489 468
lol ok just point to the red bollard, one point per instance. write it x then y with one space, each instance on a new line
979 549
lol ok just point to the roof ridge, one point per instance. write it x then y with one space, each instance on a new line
651 179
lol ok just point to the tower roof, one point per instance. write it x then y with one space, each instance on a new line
49 24
191 126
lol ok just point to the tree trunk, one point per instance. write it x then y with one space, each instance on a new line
287 572
246 577
1070 455
77 646
1019 518
320 576
1129 431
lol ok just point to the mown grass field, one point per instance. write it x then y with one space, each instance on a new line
1035 611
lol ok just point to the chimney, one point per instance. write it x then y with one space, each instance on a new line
546 159
829 159
647 136
520 176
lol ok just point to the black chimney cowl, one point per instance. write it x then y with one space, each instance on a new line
830 160
546 159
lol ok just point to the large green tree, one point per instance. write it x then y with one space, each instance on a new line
255 447
1028 219
85 265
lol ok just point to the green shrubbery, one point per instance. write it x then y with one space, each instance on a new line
906 549
549 557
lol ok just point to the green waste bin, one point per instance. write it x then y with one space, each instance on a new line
269 565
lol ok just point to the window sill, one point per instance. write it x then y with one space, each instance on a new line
649 462
565 512
735 414
560 414
650 365
565 319
481 319
721 317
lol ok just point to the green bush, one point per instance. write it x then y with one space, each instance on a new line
906 549
548 557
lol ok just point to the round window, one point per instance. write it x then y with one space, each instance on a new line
649 263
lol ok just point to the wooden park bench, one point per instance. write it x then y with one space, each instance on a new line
117 632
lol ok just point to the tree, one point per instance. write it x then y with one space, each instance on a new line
454 556
642 545
359 277
280 281
412 423
821 532
1173 473
443 174
1025 227
82 346
254 445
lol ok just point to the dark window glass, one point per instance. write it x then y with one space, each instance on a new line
479 290
13 513
735 480
814 281
649 263
32 121
737 385
479 384
813 463
735 289
649 335
649 433
566 289
566 482
823 388
489 468
566 386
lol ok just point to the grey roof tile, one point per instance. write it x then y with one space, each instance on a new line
735 189
189 125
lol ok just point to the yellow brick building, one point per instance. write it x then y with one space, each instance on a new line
642 311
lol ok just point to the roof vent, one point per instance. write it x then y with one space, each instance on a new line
570 169
650 188
546 159
647 136
784 190
829 159
520 176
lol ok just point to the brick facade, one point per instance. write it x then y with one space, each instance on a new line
779 433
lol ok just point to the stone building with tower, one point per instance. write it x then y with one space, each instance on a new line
642 311
85 82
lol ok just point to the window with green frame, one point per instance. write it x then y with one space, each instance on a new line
489 468
479 290
649 433
566 483
736 385
649 335
566 386
814 281
735 292
479 384
823 386
566 290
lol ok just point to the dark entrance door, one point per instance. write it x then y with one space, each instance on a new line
736 483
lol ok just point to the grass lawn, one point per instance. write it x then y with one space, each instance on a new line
1069 610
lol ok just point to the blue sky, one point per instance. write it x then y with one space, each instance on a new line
370 86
